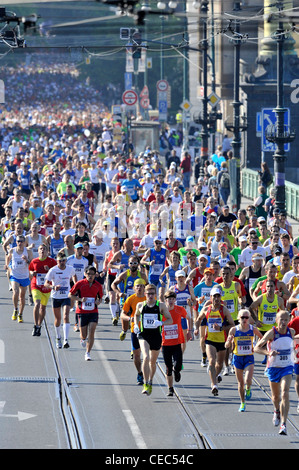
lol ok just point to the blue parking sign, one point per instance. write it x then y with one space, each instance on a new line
162 105
269 119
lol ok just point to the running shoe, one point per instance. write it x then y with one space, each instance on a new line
215 391
219 378
87 356
38 330
203 362
149 388
177 375
115 321
83 343
14 315
20 318
145 389
66 344
283 430
58 343
30 300
170 392
140 378
226 371
248 394
276 418
242 407
34 331
122 335
76 328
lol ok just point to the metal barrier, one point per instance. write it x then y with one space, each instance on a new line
249 189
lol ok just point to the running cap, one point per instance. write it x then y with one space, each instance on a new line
209 270
79 245
179 273
216 290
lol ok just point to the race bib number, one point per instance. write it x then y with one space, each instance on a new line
212 322
157 269
40 279
63 290
269 318
88 304
230 305
149 320
244 347
171 331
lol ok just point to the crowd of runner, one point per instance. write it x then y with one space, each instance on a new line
85 221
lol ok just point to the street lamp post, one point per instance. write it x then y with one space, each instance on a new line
280 134
237 127
204 121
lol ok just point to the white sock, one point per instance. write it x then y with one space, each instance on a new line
113 310
57 329
66 329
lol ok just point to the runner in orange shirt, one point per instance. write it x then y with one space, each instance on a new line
127 315
172 338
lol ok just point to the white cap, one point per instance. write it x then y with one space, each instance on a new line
216 290
180 272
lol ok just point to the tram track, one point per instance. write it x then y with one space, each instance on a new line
268 395
202 440
70 416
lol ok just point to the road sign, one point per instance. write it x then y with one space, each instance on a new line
269 119
130 97
258 124
162 106
186 105
162 85
128 80
213 99
144 92
144 103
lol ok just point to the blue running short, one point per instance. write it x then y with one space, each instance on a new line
22 282
241 362
275 374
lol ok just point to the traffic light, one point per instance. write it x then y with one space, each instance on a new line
136 40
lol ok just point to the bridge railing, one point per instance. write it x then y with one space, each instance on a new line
249 188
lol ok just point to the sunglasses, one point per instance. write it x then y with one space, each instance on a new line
244 318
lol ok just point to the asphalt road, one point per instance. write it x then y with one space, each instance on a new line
54 399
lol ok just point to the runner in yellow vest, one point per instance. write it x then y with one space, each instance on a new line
231 295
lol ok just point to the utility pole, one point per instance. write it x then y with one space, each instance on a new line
236 127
